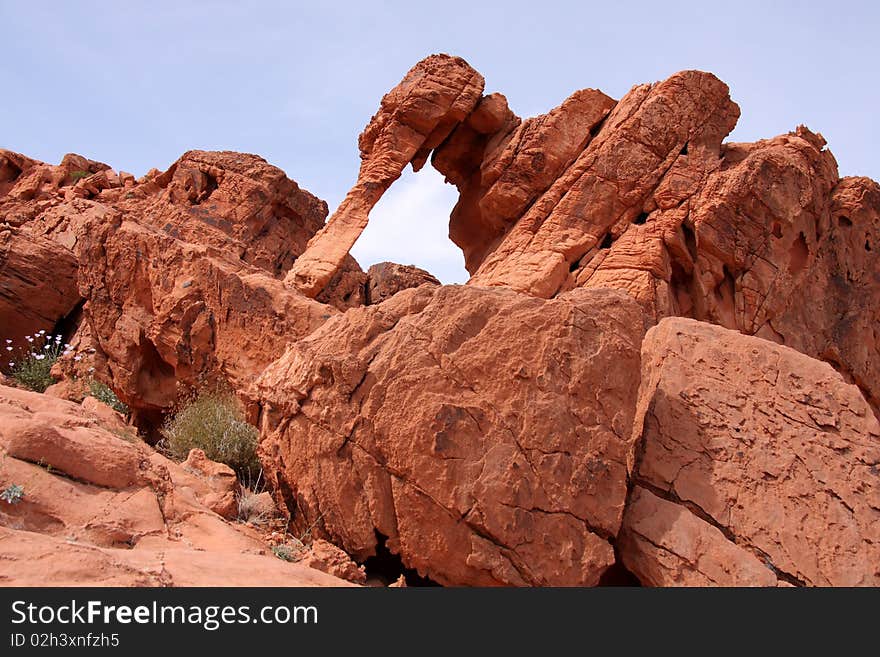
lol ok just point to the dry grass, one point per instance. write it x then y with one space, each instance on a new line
214 422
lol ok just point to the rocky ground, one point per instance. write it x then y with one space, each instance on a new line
663 370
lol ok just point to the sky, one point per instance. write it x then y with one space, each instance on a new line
136 84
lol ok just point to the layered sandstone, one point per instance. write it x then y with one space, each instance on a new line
100 507
490 433
757 465
413 119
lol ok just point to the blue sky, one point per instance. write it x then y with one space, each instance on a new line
135 84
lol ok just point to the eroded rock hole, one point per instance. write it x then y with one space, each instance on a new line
867 245
777 230
798 255
641 219
690 240
9 171
618 575
684 149
844 222
607 241
681 284
725 299
386 568
209 186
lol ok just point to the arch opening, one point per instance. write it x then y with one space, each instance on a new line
410 226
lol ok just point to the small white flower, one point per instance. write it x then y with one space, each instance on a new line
29 339
42 332
77 358
46 346
66 346
39 356
57 338
8 341
8 348
67 353
11 364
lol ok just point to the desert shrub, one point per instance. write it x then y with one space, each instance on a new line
214 422
79 175
30 366
103 393
12 494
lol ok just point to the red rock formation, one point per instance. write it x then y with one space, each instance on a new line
758 464
485 433
500 174
38 284
178 271
385 279
329 559
413 119
99 507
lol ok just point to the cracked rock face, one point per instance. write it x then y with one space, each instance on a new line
758 465
485 433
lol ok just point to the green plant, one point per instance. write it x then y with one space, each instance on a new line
102 392
79 175
288 551
31 366
214 422
12 494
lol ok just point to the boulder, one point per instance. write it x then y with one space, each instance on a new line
484 435
757 465
385 279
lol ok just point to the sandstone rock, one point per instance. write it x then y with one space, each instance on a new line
500 175
329 559
167 314
753 456
101 508
232 201
221 220
413 119
610 181
219 477
485 433
385 279
110 418
32 559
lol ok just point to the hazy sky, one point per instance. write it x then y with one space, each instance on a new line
135 84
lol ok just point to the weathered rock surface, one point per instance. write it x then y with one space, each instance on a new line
326 557
385 279
758 464
100 507
179 271
413 119
642 195
37 284
168 314
485 433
